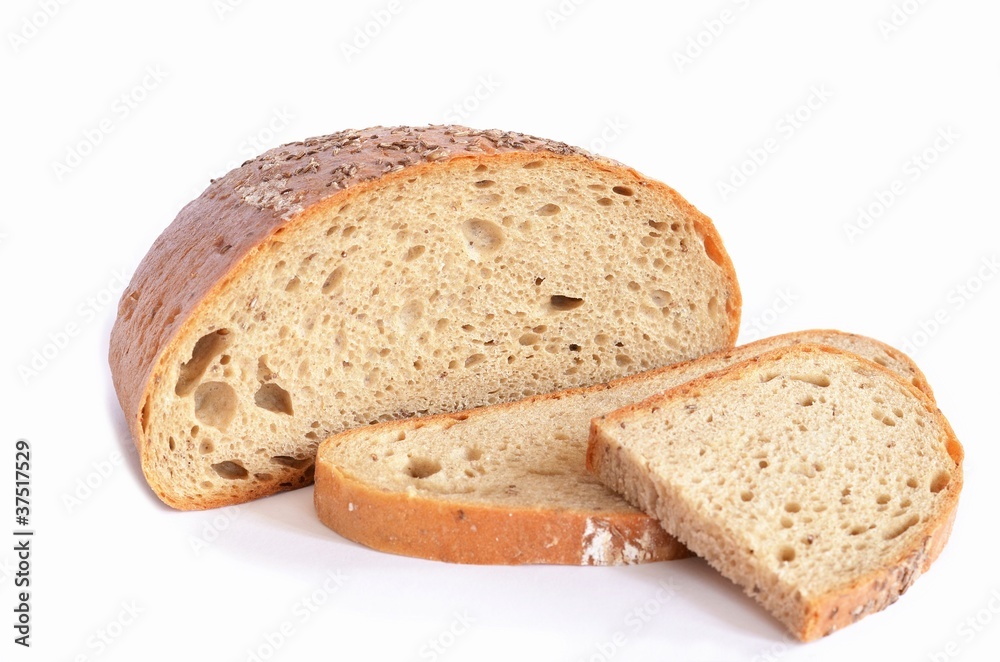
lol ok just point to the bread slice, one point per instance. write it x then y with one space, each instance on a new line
371 275
820 482
507 484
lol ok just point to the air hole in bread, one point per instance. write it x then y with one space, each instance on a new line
816 380
472 453
714 251
746 495
273 398
171 444
215 404
661 298
293 284
532 165
422 467
414 252
484 183
230 470
786 522
940 481
605 202
792 507
205 350
548 210
900 529
623 190
335 278
786 554
562 302
475 359
807 401
290 462
483 238
858 530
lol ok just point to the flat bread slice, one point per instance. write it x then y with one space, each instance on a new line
819 481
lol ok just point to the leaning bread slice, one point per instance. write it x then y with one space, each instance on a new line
820 482
371 275
507 484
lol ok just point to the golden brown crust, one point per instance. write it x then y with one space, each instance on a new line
213 238
414 525
875 590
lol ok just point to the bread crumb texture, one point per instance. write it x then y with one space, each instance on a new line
805 477
402 271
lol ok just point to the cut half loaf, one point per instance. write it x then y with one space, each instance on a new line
507 484
820 482
371 275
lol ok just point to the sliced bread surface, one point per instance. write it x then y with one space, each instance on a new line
507 484
370 275
820 482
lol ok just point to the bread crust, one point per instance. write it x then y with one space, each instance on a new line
870 592
214 238
412 524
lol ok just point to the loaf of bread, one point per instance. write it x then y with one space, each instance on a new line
820 482
507 484
372 275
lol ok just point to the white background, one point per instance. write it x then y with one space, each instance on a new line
233 80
